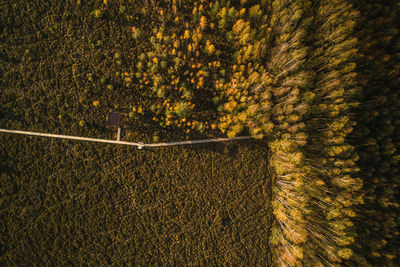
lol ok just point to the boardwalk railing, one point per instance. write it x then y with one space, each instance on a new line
139 145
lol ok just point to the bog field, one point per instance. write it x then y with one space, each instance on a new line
68 203
314 83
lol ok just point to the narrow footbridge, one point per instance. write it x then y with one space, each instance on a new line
118 142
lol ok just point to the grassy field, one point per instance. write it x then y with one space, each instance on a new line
64 202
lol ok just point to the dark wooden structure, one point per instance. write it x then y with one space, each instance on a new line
114 119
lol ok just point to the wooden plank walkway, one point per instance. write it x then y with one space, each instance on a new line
118 142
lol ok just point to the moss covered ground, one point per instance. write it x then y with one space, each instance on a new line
71 203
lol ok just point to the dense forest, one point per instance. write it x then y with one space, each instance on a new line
314 82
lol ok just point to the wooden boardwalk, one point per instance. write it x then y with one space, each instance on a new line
118 142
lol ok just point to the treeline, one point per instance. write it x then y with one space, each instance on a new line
302 99
326 98
336 196
377 135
